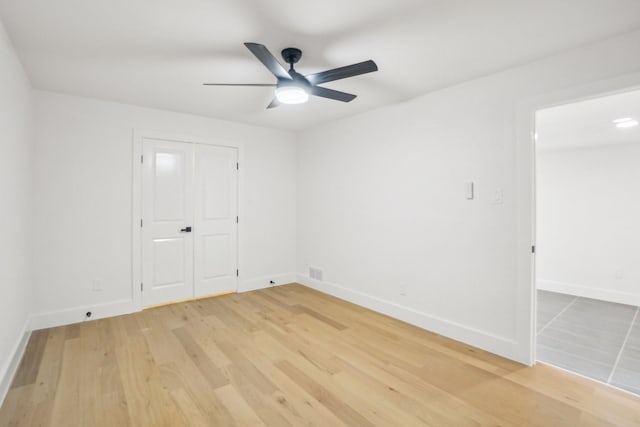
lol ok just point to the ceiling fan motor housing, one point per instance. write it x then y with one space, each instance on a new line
291 55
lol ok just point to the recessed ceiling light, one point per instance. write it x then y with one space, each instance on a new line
623 119
627 124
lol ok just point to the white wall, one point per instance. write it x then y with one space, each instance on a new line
84 201
588 228
16 206
382 208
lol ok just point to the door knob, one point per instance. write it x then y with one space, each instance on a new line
186 230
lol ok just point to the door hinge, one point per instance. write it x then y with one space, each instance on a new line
237 273
237 166
140 222
141 287
237 220
141 159
533 249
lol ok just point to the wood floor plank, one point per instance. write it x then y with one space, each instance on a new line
189 409
333 403
429 403
302 309
30 364
148 402
292 401
112 409
287 356
185 375
49 371
258 401
17 408
66 410
209 370
241 412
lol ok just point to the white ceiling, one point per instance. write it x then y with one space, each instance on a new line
588 123
156 53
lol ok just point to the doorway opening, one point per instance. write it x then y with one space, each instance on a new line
587 268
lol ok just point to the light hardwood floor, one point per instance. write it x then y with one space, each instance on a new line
287 356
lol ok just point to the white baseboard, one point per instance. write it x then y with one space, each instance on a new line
263 282
589 292
11 366
78 314
502 346
116 308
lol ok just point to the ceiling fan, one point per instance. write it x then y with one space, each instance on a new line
294 88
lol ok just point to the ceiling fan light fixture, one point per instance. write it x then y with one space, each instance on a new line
292 94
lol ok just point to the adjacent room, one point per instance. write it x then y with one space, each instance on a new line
245 213
588 238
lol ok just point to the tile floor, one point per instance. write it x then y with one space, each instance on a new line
597 339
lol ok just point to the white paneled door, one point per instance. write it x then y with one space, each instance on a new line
189 227
216 220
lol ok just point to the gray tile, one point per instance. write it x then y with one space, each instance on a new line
607 304
587 337
626 379
555 299
550 304
591 347
611 332
628 388
591 313
573 363
630 359
597 337
634 336
592 326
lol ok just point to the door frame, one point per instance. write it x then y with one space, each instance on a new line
139 135
526 192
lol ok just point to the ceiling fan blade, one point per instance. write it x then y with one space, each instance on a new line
332 94
342 72
269 61
275 103
241 84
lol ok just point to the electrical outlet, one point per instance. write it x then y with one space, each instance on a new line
315 273
96 285
403 289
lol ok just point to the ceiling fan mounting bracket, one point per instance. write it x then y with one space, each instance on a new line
291 55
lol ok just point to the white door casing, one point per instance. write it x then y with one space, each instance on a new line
187 185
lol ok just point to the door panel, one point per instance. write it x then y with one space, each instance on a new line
215 255
216 194
167 207
169 186
216 229
169 262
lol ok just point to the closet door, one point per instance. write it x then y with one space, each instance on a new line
215 227
167 214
